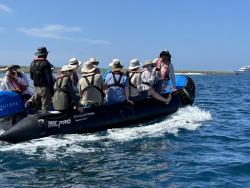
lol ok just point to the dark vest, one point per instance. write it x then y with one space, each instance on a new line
39 71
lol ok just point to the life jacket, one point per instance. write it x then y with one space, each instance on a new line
38 72
130 78
61 98
91 85
59 86
117 83
18 87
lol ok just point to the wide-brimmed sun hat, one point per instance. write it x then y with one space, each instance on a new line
67 68
41 51
12 67
116 65
134 63
94 61
88 67
74 62
111 64
147 63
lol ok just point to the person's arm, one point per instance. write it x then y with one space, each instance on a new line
22 79
164 70
103 85
127 95
72 92
73 96
172 76
127 91
31 72
6 84
49 77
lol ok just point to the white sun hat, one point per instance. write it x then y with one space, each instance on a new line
75 62
67 68
94 61
87 68
134 63
113 61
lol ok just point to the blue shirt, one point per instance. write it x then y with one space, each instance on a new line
116 94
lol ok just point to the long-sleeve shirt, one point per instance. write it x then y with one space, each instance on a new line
148 77
21 79
136 84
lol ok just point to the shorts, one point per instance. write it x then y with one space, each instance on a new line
143 95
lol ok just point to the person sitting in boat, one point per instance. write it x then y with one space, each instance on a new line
65 98
166 69
91 86
148 75
117 84
95 63
17 81
74 77
137 90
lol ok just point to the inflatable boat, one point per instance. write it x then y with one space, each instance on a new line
20 127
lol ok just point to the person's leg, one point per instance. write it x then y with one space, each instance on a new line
151 92
46 98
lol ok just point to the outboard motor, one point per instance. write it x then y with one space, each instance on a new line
11 108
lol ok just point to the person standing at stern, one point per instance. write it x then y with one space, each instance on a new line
41 74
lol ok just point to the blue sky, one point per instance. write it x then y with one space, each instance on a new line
201 35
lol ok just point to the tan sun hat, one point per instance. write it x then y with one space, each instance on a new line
88 68
111 64
134 63
67 68
147 63
116 65
75 62
93 61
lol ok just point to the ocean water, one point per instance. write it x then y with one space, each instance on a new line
204 145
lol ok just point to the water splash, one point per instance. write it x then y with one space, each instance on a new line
189 118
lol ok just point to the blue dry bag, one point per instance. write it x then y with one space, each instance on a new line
10 103
181 82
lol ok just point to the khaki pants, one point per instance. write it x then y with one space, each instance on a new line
43 96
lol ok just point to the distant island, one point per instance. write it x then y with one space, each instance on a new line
26 69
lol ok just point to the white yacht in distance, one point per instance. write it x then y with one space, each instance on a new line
243 70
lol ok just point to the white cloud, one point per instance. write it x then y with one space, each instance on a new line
95 41
5 8
53 31
57 31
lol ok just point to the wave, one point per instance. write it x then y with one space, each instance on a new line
189 118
